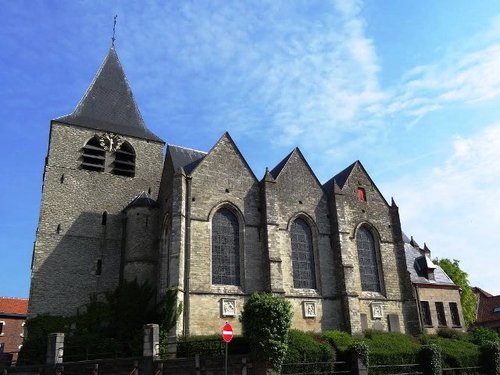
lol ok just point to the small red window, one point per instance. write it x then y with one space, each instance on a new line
361 195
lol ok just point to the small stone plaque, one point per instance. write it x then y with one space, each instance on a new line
377 312
309 309
228 307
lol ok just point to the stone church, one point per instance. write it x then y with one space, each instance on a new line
115 207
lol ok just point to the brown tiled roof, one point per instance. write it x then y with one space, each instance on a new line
13 305
486 311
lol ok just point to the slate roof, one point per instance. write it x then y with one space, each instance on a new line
109 104
142 199
413 256
340 178
13 306
185 158
276 170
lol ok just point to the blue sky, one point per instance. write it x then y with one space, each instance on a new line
412 89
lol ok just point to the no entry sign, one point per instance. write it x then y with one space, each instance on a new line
227 332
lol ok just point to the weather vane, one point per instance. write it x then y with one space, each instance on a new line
114 26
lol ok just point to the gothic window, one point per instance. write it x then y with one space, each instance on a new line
368 263
225 248
302 255
425 313
93 156
124 164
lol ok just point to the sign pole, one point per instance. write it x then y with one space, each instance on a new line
225 367
227 335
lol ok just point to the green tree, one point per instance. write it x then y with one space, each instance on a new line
461 278
266 320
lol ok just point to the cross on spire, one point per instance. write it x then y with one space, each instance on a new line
114 27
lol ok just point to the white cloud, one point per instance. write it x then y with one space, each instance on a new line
454 207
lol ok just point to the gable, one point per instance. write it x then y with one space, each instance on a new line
226 159
295 177
358 178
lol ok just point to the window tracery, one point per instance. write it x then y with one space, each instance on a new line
304 275
368 260
225 248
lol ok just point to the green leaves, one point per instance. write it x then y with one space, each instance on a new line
266 319
461 278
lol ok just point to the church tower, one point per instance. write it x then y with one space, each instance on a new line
100 159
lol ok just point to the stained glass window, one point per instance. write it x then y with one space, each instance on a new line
302 255
225 248
367 257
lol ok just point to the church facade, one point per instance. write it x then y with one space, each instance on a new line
202 223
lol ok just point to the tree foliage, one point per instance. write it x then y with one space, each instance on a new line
266 320
106 325
461 279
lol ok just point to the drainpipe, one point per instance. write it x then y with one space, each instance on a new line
419 309
187 255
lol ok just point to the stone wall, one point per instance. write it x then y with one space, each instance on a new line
444 295
71 238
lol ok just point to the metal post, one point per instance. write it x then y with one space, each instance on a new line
225 367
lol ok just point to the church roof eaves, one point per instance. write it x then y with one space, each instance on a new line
142 199
109 104
281 165
185 158
226 135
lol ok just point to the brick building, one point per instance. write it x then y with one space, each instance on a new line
113 208
13 313
488 310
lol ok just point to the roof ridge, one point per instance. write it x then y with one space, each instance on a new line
186 148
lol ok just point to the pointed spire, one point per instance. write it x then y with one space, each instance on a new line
268 177
109 104
393 203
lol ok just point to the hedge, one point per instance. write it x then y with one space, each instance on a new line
307 353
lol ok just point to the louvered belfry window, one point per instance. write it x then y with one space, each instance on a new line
225 248
93 156
304 275
367 257
124 164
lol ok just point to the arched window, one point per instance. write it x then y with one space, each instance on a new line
367 258
124 164
225 248
304 275
93 156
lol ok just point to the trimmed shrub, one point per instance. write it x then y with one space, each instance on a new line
209 345
340 340
490 357
457 353
450 333
359 350
307 353
391 348
481 335
266 320
430 359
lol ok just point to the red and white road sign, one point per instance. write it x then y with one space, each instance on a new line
227 332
